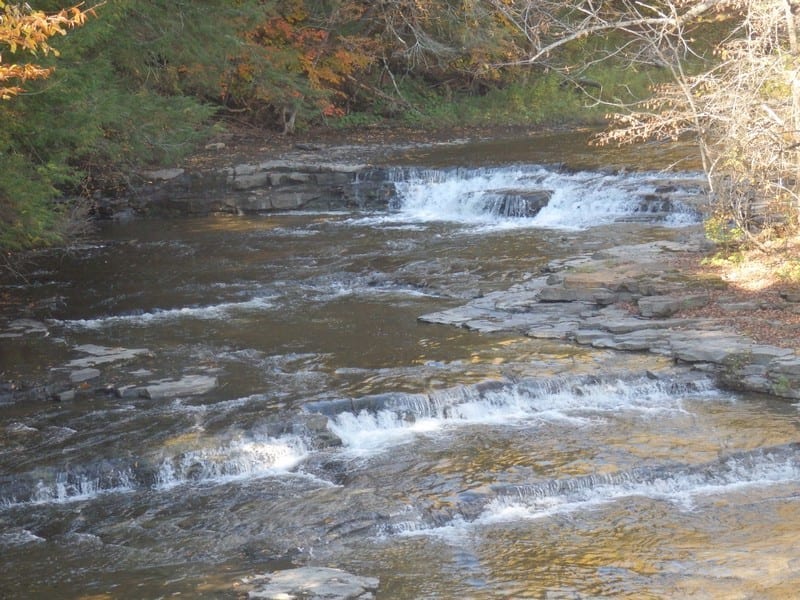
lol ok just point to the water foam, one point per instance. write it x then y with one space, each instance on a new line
237 460
211 312
377 423
19 537
678 484
234 461
69 487
577 200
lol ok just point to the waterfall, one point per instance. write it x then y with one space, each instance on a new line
535 196
376 423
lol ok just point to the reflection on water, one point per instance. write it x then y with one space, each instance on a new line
572 149
251 394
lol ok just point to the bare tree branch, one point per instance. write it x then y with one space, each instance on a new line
736 91
593 24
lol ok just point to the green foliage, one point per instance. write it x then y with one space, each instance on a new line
357 120
789 271
26 215
523 98
139 84
725 234
106 110
722 231
542 101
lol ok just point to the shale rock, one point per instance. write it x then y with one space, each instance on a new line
22 327
666 306
99 355
303 182
574 300
82 375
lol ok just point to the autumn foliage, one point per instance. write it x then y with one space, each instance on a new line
335 58
143 83
293 58
27 31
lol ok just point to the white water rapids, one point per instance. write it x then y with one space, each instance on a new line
509 197
253 393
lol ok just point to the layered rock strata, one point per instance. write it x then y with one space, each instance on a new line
628 298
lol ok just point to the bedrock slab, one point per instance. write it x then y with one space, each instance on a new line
627 298
668 305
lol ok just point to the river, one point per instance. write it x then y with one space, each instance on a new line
256 393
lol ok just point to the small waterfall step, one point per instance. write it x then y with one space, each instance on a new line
674 482
542 197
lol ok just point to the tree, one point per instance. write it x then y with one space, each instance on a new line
335 56
734 68
23 29
293 58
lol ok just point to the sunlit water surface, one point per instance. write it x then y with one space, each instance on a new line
486 466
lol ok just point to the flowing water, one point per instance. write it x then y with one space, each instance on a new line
264 396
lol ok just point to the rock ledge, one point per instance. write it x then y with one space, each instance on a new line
627 299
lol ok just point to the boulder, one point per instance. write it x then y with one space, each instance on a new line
517 203
708 346
784 376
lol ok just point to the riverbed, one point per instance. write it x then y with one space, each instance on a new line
235 395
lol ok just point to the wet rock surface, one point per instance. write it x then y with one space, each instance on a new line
248 188
300 177
598 299
335 176
629 299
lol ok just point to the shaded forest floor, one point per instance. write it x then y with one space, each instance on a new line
769 302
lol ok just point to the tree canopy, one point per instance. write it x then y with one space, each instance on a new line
733 86
143 81
24 30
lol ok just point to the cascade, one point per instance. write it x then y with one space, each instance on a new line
537 196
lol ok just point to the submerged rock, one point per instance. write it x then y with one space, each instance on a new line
312 583
99 355
189 385
85 374
22 327
517 203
